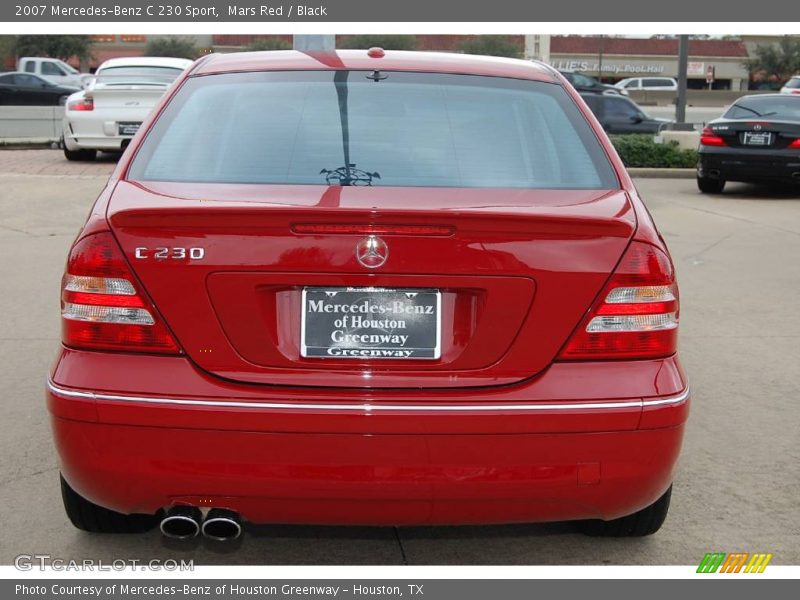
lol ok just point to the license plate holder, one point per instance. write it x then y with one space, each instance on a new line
371 323
128 128
757 138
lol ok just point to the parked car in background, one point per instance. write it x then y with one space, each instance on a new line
24 89
792 86
368 287
622 115
107 114
587 83
53 70
660 84
757 140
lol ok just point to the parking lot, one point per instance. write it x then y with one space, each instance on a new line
738 482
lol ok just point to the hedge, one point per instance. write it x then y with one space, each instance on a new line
639 150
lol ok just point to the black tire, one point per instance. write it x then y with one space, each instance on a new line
93 518
644 522
80 155
710 186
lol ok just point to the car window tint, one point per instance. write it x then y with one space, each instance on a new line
7 80
138 74
409 129
634 83
793 83
51 69
27 80
30 67
776 107
619 108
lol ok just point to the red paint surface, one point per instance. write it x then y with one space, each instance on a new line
518 270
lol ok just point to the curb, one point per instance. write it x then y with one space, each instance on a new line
647 173
26 143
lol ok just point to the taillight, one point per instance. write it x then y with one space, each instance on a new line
636 315
82 104
795 145
709 138
103 307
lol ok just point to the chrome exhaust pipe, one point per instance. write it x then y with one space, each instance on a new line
222 525
181 522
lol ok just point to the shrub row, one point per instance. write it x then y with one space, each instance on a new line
639 150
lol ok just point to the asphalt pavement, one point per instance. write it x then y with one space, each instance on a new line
736 487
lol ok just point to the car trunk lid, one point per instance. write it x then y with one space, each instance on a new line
226 265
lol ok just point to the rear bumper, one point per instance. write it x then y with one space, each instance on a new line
738 164
91 131
366 457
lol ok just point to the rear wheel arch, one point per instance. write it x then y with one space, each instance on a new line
87 516
639 524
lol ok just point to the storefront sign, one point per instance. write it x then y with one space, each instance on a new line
613 68
696 69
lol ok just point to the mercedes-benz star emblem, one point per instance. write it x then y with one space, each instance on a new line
372 252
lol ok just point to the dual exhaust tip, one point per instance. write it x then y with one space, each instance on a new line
187 522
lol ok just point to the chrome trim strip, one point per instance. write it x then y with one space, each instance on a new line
677 399
367 408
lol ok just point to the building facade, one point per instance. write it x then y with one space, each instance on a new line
616 58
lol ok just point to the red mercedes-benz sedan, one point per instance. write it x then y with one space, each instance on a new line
368 287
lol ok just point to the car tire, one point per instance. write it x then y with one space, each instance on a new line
644 522
710 186
80 155
88 516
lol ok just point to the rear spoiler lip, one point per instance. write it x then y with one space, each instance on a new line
197 218
195 214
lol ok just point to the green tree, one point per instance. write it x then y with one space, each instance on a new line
268 44
387 42
172 46
6 49
54 46
776 61
491 45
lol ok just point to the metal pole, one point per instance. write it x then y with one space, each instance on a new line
314 42
683 59
600 62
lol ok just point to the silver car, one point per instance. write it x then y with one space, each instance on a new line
792 86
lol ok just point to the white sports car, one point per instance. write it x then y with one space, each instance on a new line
108 113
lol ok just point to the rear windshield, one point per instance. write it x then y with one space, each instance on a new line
776 107
793 83
373 128
137 74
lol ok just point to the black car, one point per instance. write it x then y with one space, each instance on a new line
587 83
24 89
756 141
618 114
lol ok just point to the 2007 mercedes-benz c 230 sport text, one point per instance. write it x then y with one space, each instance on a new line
368 287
